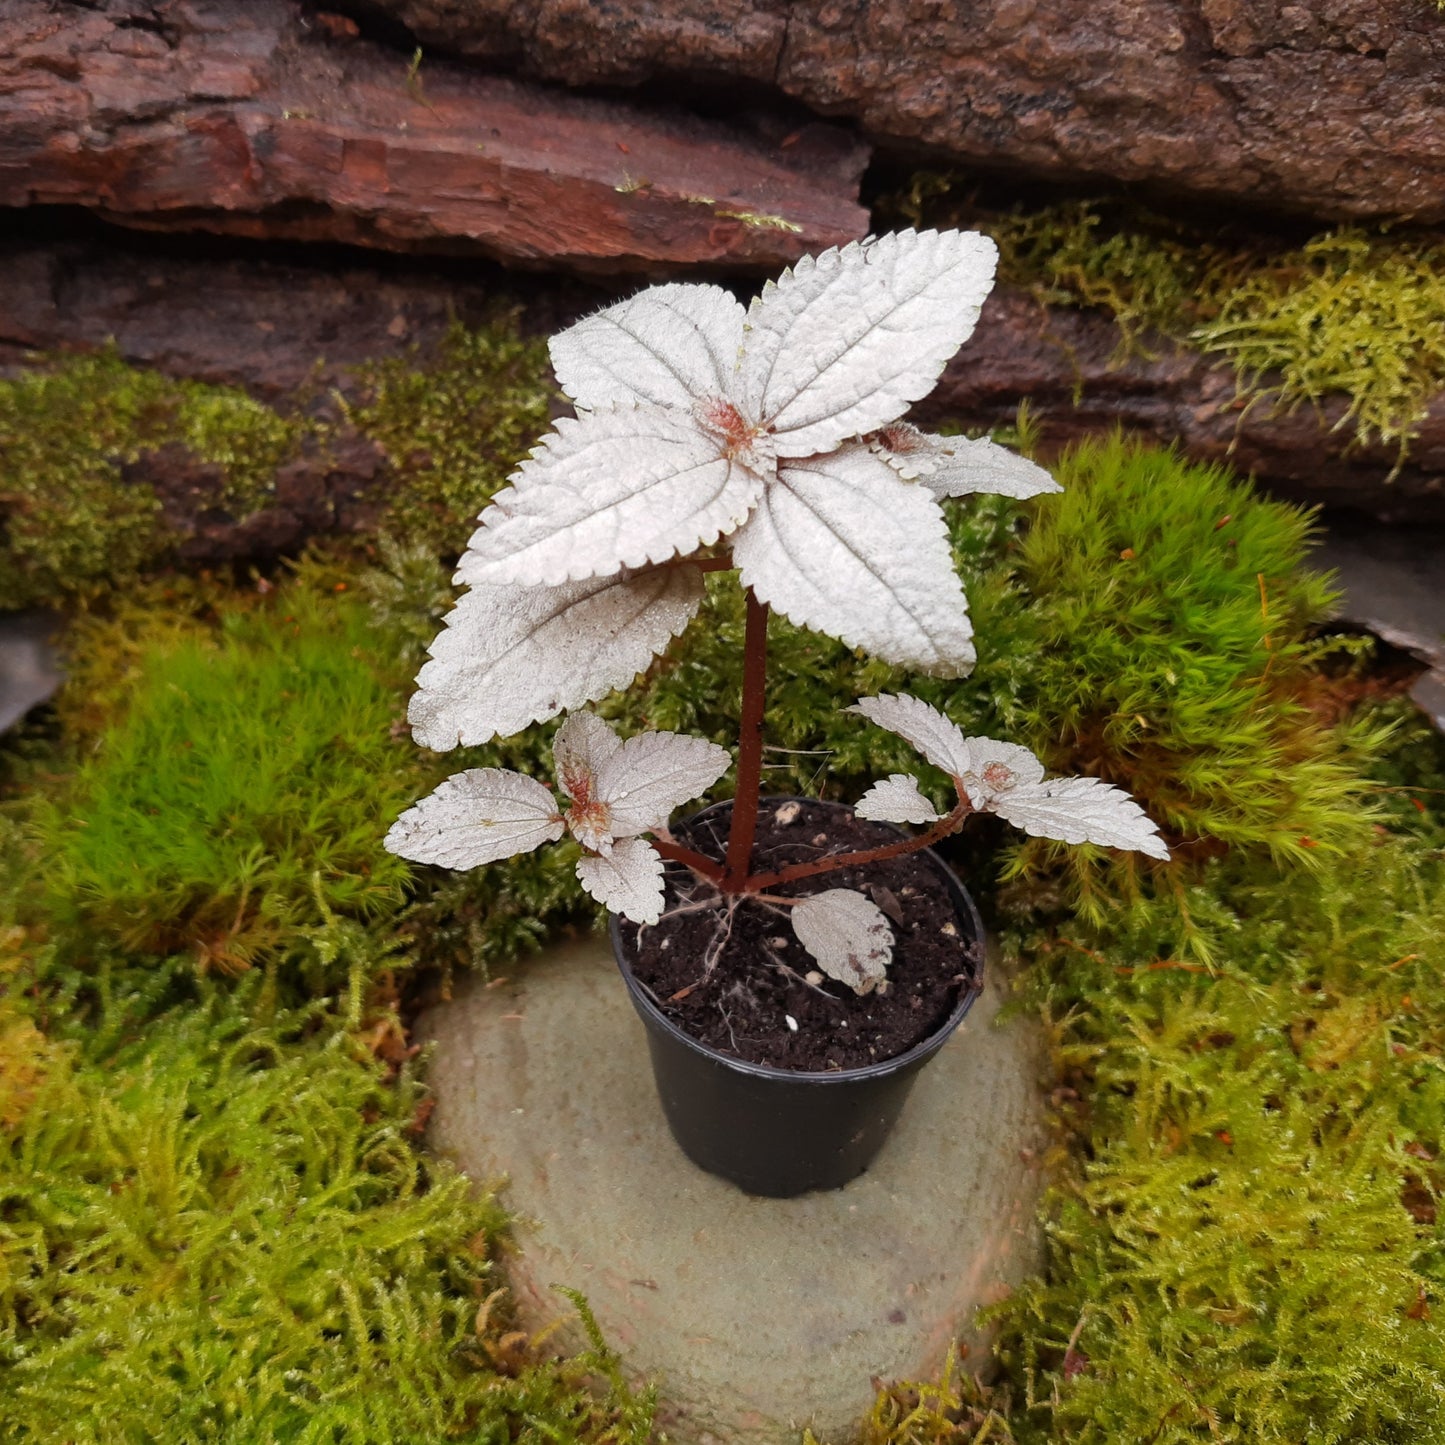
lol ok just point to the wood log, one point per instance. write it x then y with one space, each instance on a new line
1332 110
243 117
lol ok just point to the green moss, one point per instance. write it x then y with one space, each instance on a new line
218 1227
1347 314
455 426
1351 313
247 775
1409 778
1148 273
1167 632
1250 1247
71 522
218 1224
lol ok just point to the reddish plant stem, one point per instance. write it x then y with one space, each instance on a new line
936 833
750 747
713 872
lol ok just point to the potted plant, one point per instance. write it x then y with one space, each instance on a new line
795 962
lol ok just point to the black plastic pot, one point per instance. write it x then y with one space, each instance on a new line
779 1132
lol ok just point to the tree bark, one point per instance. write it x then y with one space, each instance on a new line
246 118
1328 110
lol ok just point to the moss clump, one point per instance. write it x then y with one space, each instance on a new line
1250 1246
222 1230
245 778
218 1224
1168 637
1350 313
71 523
455 426
1148 273
1347 314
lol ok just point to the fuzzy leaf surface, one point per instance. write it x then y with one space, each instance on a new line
959 466
896 799
842 343
477 817
669 346
848 935
582 744
1080 810
627 881
609 490
844 546
512 655
651 774
940 740
995 766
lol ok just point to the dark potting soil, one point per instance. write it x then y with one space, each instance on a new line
756 981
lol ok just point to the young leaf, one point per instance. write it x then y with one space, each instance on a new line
651 774
896 800
668 345
477 817
514 655
848 935
628 880
582 745
995 766
608 490
1080 810
958 466
939 740
842 545
842 343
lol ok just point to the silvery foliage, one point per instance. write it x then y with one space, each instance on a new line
1002 778
774 429
615 792
848 935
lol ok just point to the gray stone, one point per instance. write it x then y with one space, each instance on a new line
1394 585
756 1316
29 671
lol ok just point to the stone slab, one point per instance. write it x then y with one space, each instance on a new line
756 1316
1394 586
29 670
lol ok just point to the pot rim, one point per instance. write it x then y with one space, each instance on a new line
923 1049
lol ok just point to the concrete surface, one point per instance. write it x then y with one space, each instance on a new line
1394 584
29 672
756 1316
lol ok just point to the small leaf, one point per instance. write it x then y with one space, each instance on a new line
582 745
477 817
651 774
628 880
842 343
513 655
995 765
939 740
1080 810
609 490
958 466
669 345
897 800
842 545
848 935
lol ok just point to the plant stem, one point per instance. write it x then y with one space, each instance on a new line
750 747
713 872
937 832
